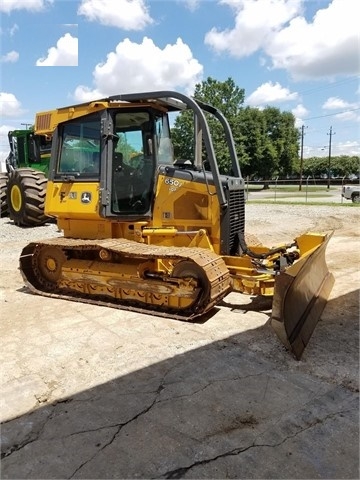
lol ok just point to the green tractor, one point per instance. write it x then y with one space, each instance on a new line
23 185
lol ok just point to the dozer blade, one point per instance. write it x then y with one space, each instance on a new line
300 296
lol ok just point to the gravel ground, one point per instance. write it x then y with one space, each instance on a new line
270 221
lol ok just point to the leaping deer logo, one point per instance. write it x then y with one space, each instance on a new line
86 197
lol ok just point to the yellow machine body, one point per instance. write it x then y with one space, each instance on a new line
145 233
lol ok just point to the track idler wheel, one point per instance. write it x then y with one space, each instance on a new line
193 272
47 264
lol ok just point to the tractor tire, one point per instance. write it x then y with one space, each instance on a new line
3 188
26 191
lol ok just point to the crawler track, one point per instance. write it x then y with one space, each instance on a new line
181 283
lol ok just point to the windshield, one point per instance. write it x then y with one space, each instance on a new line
80 151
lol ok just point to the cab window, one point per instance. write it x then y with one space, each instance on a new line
133 163
80 150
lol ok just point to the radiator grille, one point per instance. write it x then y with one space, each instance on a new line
43 121
233 221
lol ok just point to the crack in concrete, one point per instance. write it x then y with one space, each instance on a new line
315 397
32 436
119 427
209 384
179 472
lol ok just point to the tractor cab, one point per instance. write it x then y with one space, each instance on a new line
111 157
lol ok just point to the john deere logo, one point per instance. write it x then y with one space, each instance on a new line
86 197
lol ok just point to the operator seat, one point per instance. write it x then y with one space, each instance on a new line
131 192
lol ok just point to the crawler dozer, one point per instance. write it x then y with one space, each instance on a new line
146 233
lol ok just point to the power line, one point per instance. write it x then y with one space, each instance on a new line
325 87
332 114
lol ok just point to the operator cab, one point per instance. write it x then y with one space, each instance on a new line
141 143
120 148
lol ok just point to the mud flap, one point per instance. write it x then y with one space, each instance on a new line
300 296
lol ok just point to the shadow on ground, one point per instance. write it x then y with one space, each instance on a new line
224 410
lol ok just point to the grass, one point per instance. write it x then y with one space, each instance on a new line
292 188
290 194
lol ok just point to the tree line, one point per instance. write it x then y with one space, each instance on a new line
267 141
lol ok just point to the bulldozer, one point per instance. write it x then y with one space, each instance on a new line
146 232
23 185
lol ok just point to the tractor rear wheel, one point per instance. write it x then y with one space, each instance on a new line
26 191
3 199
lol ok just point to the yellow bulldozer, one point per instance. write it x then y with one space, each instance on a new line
148 233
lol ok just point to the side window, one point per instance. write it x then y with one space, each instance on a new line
164 144
133 164
80 151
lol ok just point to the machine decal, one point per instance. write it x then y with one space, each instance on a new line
85 197
73 195
173 184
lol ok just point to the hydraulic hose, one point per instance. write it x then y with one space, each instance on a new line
245 249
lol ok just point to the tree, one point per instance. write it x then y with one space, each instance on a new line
253 159
280 129
341 166
225 96
266 141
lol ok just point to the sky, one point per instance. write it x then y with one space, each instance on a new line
301 56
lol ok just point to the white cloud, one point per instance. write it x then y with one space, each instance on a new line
192 5
350 111
346 148
299 113
255 22
10 105
125 14
65 54
4 141
336 103
324 47
143 67
86 94
270 92
350 148
33 5
349 116
4 144
10 57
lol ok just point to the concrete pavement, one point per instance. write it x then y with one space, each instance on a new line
96 393
236 407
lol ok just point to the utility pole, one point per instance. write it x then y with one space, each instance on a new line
301 156
331 133
26 125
